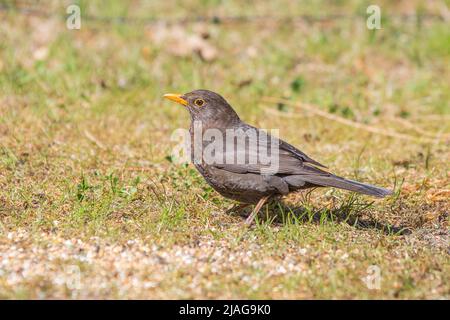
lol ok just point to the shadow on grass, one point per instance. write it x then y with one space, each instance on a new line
352 211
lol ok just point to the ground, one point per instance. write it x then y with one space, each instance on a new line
92 205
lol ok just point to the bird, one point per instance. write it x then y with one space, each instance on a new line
251 179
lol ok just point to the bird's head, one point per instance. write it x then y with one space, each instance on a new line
206 106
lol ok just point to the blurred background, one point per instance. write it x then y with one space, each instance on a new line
85 141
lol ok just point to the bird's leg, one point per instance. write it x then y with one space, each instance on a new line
255 211
238 208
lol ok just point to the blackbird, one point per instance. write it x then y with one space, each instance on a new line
239 169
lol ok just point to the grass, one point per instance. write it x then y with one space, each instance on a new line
87 181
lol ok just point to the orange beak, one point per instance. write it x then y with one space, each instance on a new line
176 97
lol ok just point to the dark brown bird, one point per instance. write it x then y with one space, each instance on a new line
268 167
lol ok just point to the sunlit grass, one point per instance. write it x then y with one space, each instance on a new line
86 176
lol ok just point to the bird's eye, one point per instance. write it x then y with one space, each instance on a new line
199 102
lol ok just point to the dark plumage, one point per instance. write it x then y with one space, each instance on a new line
247 182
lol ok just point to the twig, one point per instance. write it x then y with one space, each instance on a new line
316 110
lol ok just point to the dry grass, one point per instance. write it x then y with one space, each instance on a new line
86 183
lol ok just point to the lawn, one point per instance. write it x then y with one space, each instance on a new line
93 205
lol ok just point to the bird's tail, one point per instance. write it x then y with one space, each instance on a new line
346 184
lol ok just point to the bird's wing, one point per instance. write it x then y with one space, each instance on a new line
286 164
